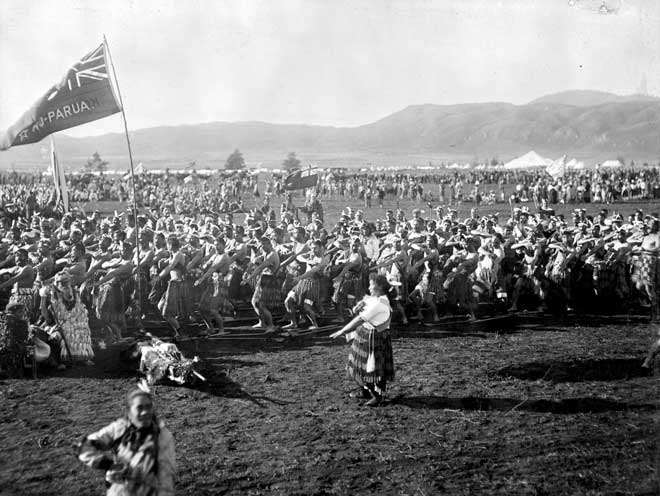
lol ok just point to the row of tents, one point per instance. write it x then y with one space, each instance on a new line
556 168
532 160
529 161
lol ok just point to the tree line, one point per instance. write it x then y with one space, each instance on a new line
235 161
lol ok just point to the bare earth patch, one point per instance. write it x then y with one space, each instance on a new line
536 410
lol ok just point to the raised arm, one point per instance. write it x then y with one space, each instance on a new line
123 269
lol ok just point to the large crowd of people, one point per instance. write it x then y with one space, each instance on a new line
497 185
195 256
189 191
200 265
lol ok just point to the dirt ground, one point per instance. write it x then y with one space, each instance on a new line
520 406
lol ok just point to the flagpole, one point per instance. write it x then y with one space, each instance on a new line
59 178
53 164
135 207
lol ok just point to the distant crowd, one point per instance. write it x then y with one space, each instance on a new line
23 194
452 188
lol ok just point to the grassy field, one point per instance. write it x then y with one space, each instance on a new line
333 206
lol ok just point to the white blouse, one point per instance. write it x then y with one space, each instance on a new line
376 310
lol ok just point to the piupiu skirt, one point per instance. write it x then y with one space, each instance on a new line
308 291
176 300
268 290
215 296
110 303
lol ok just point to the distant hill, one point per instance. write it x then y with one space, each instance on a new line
586 124
590 98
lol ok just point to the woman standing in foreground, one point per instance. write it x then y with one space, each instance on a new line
370 361
136 451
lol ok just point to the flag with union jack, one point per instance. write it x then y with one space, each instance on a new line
83 95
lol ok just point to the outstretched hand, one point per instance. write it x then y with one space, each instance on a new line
335 335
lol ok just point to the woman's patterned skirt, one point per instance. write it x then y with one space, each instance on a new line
363 344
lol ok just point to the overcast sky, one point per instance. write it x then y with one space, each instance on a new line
334 62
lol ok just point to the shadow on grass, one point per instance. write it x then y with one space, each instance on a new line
536 321
577 370
220 385
471 403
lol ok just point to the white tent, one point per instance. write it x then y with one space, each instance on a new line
529 160
573 164
612 164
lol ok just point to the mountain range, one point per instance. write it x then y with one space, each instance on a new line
590 125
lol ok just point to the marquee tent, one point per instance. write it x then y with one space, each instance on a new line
612 164
529 160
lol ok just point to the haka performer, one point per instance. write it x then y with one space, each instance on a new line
174 304
267 288
647 270
305 294
215 293
22 278
349 280
111 303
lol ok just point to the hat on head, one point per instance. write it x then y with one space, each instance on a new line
14 306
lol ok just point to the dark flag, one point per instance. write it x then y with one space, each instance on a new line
84 95
296 180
